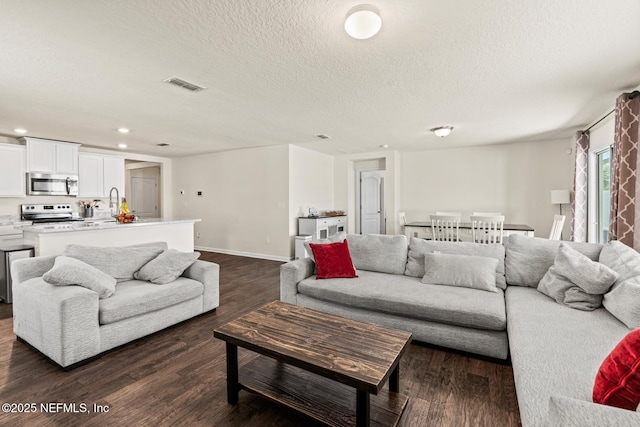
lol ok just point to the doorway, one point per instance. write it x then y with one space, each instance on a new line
144 188
144 196
372 218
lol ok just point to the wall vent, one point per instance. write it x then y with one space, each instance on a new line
184 84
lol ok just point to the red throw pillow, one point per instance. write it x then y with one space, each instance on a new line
618 379
333 260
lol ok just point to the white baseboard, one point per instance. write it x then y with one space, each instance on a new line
239 253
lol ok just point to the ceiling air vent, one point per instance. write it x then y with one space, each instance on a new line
162 144
322 136
184 84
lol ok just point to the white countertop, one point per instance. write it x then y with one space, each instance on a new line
94 225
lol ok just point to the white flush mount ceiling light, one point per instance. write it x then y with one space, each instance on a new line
123 130
20 130
442 131
122 145
363 22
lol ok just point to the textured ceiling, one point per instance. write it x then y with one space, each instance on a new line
281 71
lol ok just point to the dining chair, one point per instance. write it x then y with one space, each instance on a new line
445 227
487 228
556 227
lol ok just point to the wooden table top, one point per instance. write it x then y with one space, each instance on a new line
355 353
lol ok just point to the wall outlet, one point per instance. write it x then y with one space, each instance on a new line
198 235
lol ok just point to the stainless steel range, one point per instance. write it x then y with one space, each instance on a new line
40 214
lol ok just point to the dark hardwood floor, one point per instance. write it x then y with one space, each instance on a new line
177 376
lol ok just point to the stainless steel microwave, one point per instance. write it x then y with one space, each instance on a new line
44 184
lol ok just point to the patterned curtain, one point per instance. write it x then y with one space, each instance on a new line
579 206
624 186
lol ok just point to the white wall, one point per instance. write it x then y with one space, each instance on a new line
245 203
515 179
310 185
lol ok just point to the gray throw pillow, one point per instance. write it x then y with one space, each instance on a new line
167 266
338 237
467 271
70 271
623 300
118 261
576 281
528 259
419 247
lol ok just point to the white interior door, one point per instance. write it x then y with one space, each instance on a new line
370 202
144 197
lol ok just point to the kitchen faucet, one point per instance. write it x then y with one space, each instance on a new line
111 201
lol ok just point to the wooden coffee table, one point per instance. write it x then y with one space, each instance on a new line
314 361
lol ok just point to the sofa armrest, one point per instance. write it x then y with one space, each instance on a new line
568 412
207 273
28 268
291 274
59 321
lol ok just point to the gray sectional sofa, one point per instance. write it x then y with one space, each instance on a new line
70 324
555 350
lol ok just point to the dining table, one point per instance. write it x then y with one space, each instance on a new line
422 229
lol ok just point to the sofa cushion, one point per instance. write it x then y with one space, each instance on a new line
623 299
555 350
70 271
166 267
419 247
378 252
467 271
576 281
135 297
618 379
119 262
527 259
568 412
407 296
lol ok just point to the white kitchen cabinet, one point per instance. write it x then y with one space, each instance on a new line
12 170
90 175
98 174
49 156
67 158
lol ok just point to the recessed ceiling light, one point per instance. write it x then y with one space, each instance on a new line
122 145
123 130
384 146
20 130
442 131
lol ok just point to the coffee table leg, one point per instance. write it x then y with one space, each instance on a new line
394 379
232 374
362 409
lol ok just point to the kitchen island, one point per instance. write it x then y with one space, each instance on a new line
51 239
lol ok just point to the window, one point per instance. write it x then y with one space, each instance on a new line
604 165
